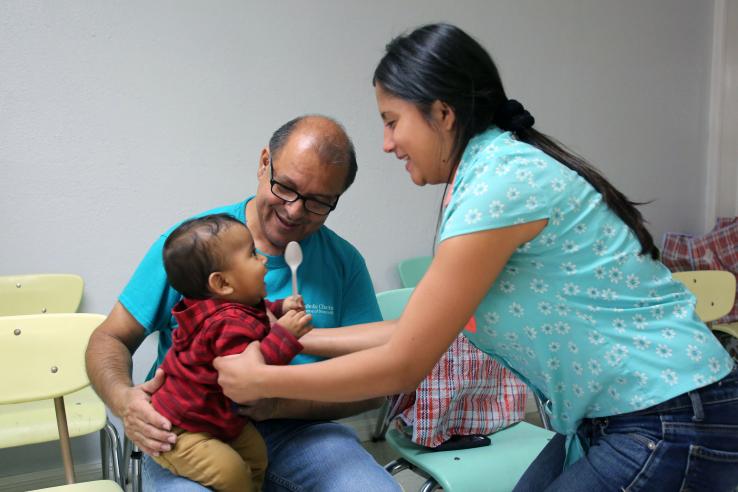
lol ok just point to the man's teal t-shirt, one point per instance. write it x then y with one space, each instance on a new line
332 279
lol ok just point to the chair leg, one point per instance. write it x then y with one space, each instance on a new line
136 457
429 486
396 466
111 449
66 448
105 458
380 428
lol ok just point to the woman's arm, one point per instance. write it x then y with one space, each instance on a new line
462 272
332 342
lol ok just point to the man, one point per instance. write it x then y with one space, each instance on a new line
309 163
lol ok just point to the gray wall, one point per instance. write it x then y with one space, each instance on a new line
119 118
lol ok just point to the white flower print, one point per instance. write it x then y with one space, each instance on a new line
539 163
620 350
700 337
562 328
558 185
530 332
594 366
632 281
600 273
619 325
491 332
567 404
668 333
548 239
609 230
562 310
636 401
545 308
472 216
547 377
560 388
531 203
593 292
570 246
512 270
502 168
491 317
523 175
642 378
713 364
547 329
507 287
608 294
694 353
599 247
553 363
614 394
639 321
680 311
669 377
621 380
663 351
595 337
557 216
511 335
577 390
516 310
699 379
513 193
594 408
587 318
516 346
577 368
615 275
538 286
481 170
480 189
570 289
621 259
524 247
641 343
569 268
580 228
496 209
554 346
530 352
657 312
573 347
594 386
536 264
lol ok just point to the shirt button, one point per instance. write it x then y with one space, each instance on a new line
651 446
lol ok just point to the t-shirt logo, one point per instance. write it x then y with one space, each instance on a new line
471 325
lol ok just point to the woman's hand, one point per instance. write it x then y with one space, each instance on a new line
240 375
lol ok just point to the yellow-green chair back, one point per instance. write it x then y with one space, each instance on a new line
412 270
40 293
44 360
715 293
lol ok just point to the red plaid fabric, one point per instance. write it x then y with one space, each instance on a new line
190 396
467 392
716 250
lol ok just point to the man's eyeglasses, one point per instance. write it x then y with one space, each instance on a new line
288 195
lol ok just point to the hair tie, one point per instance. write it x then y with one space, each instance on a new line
512 116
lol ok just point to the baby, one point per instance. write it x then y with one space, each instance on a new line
213 263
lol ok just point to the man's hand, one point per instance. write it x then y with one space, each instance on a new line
148 429
293 302
296 322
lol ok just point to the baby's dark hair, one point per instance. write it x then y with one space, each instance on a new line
191 253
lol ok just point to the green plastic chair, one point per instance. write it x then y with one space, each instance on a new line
43 362
412 270
493 468
34 422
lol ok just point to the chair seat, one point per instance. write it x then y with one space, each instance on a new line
496 467
729 328
35 422
96 486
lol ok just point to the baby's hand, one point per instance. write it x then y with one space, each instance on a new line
296 322
293 302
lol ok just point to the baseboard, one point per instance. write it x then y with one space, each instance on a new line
49 478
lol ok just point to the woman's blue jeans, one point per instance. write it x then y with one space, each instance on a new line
688 443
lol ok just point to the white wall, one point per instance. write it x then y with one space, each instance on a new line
118 118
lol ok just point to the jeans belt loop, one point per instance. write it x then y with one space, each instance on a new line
699 412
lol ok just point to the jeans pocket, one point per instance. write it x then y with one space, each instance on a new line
710 469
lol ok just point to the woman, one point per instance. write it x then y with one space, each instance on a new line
545 266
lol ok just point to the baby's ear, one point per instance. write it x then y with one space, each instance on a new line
218 284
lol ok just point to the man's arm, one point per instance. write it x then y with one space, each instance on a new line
108 360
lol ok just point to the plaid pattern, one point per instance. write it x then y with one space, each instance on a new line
716 250
190 396
467 392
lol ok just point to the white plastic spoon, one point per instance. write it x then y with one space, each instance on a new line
293 258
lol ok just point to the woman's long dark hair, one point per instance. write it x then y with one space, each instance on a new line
440 62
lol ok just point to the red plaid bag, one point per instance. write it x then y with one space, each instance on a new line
466 393
716 250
